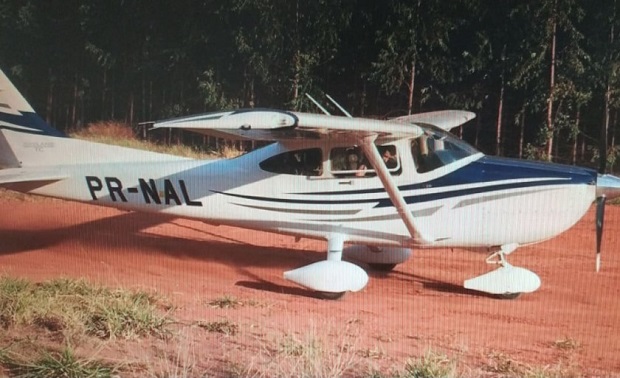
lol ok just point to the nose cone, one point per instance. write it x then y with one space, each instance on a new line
608 186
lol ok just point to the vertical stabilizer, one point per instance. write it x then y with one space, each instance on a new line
26 140
7 157
16 114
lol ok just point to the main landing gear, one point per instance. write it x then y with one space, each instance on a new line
507 281
330 278
381 259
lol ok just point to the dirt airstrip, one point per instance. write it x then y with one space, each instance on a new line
573 321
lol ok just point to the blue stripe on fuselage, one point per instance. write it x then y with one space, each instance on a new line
484 170
490 169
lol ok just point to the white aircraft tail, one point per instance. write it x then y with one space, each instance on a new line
26 140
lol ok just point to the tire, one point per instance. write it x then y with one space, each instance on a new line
331 296
509 296
382 267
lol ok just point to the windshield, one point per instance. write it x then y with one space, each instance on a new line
437 148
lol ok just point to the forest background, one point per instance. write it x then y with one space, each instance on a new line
542 76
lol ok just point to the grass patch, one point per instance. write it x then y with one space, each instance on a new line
120 134
55 365
225 302
221 326
566 344
431 365
375 353
501 364
291 346
78 307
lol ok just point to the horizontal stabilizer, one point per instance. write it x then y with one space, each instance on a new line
15 175
25 180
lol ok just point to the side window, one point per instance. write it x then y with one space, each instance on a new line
351 161
308 162
436 148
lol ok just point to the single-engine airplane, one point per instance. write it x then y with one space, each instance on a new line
383 187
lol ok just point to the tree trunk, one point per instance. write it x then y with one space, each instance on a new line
130 115
574 152
143 100
74 104
477 132
411 87
363 100
605 126
49 106
296 79
604 131
521 132
551 84
113 101
500 106
104 89
614 127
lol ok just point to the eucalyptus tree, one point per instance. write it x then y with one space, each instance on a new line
603 27
284 47
554 56
413 41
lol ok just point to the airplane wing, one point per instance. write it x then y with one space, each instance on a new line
265 124
444 119
269 125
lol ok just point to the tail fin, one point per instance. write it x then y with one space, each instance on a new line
27 140
16 114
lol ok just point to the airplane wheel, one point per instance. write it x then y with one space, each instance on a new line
382 267
331 296
509 295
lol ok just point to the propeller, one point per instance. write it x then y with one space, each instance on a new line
601 198
600 218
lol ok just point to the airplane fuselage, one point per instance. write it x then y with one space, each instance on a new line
476 201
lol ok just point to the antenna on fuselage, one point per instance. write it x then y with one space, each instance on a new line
318 105
338 106
343 110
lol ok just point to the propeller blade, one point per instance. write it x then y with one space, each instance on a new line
600 218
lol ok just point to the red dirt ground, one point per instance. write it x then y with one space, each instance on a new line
419 306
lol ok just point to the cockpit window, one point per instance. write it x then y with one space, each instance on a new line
308 162
437 148
351 161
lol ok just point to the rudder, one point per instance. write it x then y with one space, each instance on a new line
26 140
17 114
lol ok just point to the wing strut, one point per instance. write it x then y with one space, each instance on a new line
373 156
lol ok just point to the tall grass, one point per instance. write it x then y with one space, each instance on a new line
75 307
120 134
75 311
62 364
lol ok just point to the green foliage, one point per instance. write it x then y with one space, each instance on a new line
225 302
431 365
77 307
64 364
90 61
220 326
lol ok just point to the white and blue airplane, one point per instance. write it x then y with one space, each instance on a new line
382 188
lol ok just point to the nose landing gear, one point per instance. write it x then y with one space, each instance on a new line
507 281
